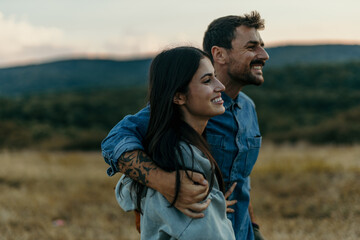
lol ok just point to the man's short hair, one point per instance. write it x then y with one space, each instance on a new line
221 31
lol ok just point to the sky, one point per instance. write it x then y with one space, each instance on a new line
46 30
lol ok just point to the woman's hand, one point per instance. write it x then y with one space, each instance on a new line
232 202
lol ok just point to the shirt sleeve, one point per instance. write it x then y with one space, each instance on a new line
125 197
126 136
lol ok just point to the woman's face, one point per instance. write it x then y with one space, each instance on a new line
203 99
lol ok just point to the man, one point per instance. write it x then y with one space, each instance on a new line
238 54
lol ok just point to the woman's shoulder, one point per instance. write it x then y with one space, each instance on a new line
189 149
191 152
195 159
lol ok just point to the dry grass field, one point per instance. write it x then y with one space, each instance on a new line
307 192
299 192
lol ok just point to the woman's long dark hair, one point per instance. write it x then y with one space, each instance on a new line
171 72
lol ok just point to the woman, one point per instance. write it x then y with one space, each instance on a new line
183 94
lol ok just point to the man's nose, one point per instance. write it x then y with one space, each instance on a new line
263 55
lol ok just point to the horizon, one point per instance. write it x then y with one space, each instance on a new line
113 57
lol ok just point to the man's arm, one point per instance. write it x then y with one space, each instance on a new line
251 213
138 166
122 150
256 228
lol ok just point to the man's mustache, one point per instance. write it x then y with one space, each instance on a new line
258 62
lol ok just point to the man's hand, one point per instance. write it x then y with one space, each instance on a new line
230 203
193 190
138 166
257 233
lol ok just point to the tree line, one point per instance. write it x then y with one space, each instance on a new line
314 103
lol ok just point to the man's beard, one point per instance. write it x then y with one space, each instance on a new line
246 78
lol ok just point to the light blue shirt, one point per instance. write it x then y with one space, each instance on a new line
234 138
159 221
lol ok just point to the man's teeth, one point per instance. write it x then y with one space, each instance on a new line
217 99
257 67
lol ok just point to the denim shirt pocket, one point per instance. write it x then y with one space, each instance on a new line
253 144
217 145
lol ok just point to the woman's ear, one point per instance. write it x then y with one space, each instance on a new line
179 98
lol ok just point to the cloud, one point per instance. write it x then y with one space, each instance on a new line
22 41
139 44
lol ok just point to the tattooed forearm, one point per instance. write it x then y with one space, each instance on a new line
137 165
142 157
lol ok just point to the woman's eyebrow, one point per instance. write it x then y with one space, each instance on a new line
206 74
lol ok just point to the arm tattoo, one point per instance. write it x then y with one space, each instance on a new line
136 165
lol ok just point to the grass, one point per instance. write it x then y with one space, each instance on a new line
58 195
298 192
306 192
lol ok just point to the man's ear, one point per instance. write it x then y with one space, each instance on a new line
219 54
179 98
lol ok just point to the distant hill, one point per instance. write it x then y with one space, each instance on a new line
71 75
86 74
289 55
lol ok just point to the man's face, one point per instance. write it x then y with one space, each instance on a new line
247 57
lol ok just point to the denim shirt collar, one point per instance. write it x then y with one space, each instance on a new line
228 101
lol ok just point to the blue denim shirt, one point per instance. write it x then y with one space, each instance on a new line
235 141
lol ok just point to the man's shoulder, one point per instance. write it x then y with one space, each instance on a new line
243 98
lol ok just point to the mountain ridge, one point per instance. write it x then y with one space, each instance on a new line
73 74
